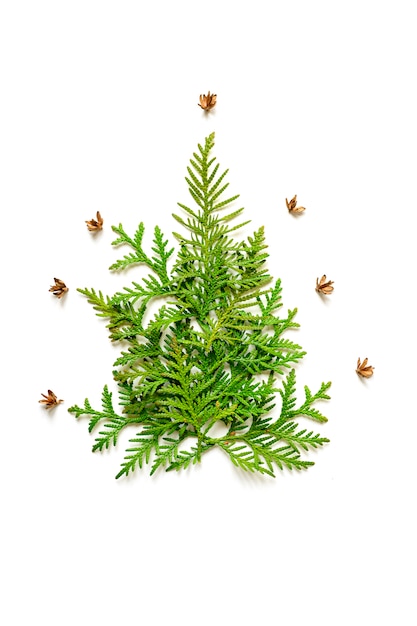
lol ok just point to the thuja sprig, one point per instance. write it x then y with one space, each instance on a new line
213 353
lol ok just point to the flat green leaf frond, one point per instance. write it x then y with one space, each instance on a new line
138 256
161 256
145 443
288 394
298 439
111 422
288 412
158 262
101 304
183 458
170 456
272 301
258 456
148 442
142 294
203 343
108 436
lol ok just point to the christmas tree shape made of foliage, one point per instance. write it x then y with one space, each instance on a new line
213 352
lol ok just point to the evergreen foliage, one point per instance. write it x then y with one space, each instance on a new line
213 352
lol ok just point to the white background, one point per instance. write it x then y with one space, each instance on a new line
99 112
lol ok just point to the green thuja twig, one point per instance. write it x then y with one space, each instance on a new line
214 352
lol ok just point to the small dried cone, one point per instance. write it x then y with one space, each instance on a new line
95 225
207 102
292 206
324 286
364 370
59 289
50 401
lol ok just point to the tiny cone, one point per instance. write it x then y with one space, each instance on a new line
95 225
50 401
363 369
207 102
59 289
324 286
